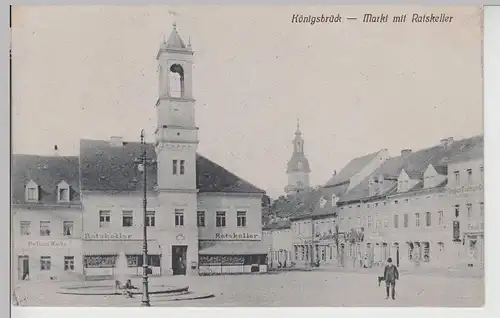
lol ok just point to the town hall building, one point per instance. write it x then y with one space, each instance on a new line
75 216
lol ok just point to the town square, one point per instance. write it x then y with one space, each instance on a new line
171 216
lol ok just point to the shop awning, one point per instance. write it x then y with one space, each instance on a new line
235 248
128 247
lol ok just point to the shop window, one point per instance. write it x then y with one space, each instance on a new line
469 210
137 260
99 261
45 263
426 252
69 263
182 166
457 210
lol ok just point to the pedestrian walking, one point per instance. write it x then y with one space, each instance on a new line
391 274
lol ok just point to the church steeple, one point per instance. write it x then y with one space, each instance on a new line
298 166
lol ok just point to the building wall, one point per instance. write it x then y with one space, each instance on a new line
282 248
301 232
231 204
56 245
163 235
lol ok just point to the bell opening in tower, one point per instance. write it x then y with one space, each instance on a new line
176 81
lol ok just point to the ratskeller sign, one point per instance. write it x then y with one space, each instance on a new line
237 236
107 236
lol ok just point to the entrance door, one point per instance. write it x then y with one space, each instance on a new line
23 267
179 258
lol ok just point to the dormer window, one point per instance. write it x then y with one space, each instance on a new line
32 191
63 192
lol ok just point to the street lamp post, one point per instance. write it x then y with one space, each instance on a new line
143 161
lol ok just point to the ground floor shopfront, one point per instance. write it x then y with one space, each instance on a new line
417 252
232 257
40 260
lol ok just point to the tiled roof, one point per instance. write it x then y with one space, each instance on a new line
107 168
353 167
390 170
329 207
472 149
282 224
415 165
47 172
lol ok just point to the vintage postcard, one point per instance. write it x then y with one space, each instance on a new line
239 156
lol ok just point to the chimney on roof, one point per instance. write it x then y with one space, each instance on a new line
405 152
56 150
116 141
334 172
443 142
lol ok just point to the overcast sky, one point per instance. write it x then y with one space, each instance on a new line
91 72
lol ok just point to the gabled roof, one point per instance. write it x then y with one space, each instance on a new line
390 170
472 149
47 172
107 168
415 165
352 168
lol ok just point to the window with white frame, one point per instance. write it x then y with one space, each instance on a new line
417 219
469 176
220 219
481 209
63 192
68 228
386 223
44 228
440 218
104 218
396 221
25 228
174 167
405 220
32 191
457 176
179 217
428 219
127 218
481 171
241 218
182 166
45 263
469 210
201 218
69 263
457 210
150 218
369 222
377 224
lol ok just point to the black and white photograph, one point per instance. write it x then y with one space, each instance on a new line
247 156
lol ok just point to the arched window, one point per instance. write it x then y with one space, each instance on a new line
176 81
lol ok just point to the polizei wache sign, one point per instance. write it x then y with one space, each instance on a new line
237 236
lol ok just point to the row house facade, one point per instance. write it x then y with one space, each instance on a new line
423 208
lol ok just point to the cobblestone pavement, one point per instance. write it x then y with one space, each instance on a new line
289 289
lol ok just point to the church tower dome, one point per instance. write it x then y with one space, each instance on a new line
298 169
